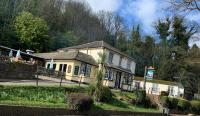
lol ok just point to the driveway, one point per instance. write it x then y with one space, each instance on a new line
43 81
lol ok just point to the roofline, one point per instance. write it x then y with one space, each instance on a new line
31 55
71 59
102 46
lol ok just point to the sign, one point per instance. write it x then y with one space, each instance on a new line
150 73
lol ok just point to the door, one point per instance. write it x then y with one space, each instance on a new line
118 80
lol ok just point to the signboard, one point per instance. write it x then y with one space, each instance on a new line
150 73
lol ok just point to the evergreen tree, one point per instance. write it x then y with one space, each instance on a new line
137 50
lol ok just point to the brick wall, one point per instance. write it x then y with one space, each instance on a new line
10 70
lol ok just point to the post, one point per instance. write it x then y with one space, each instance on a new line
62 74
145 72
37 79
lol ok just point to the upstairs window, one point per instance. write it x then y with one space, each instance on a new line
128 64
120 61
110 57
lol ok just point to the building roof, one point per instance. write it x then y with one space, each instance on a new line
7 49
119 68
71 55
95 44
157 81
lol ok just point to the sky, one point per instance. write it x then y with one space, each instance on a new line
142 12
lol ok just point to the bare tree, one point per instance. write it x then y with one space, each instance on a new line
185 5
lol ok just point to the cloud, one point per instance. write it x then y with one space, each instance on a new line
144 12
106 5
195 39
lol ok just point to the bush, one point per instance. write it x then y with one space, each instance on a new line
195 106
141 97
164 93
91 89
183 104
106 95
173 103
165 101
79 101
149 104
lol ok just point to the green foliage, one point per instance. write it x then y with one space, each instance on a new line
141 97
165 101
173 103
195 106
106 95
91 89
79 101
32 31
183 104
37 94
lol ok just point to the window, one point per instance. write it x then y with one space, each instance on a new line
127 78
48 65
76 70
108 74
128 64
63 67
120 61
155 87
54 66
69 69
83 68
86 69
60 67
110 58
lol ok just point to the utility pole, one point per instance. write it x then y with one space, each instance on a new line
145 72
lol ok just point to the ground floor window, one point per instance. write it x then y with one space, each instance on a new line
155 87
86 69
63 67
48 66
108 74
76 70
69 69
127 79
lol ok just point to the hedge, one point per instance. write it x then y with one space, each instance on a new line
176 104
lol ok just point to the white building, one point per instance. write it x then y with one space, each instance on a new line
156 86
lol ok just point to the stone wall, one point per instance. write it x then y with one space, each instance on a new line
16 70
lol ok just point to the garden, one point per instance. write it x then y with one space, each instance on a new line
181 106
72 98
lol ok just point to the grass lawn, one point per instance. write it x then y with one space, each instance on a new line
54 96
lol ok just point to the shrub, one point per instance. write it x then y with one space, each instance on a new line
91 89
183 104
164 93
195 106
149 104
107 95
165 101
173 103
141 96
79 101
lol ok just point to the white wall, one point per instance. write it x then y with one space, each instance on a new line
161 87
124 62
116 59
92 52
132 67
